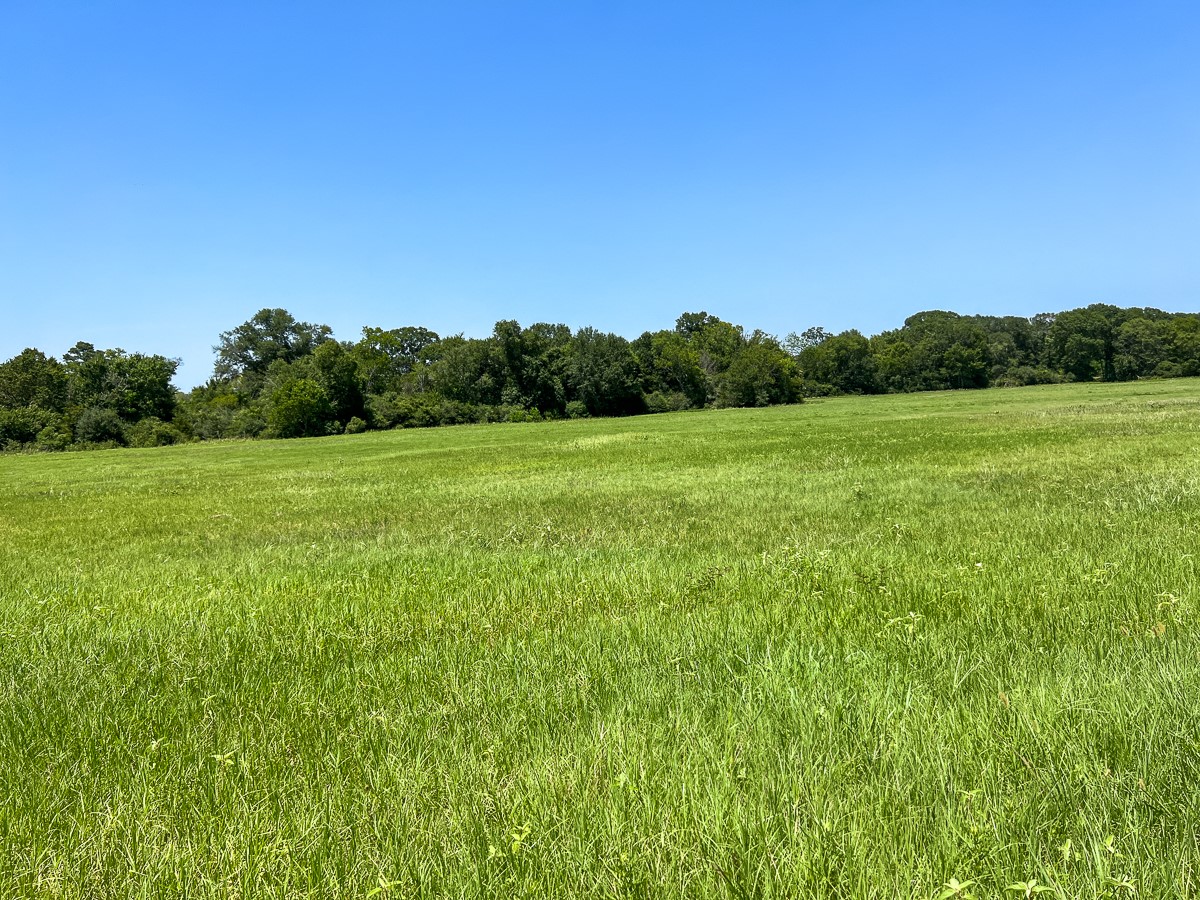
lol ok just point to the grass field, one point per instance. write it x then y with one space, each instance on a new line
855 648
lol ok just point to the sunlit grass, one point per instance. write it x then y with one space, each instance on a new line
867 647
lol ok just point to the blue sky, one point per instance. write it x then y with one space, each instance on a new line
166 170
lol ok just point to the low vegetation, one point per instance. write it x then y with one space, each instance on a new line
912 646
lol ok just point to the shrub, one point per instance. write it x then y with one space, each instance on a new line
1025 375
667 401
520 414
247 423
97 425
53 438
454 412
153 432
577 409
22 426
806 387
356 425
405 410
300 408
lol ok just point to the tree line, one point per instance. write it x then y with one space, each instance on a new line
275 376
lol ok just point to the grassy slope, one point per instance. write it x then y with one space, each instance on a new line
853 648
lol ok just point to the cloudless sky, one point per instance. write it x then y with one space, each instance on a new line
168 169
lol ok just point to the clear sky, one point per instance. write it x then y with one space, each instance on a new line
168 169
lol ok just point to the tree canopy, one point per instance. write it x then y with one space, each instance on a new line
275 376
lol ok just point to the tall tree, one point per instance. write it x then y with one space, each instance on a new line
132 385
270 334
385 357
32 379
604 374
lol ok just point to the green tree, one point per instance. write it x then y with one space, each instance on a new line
604 374
22 425
843 362
270 335
133 385
1079 343
949 351
299 408
332 365
464 370
32 379
762 373
795 344
384 358
99 425
1140 346
1184 340
669 364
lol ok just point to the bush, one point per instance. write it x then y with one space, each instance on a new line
1026 375
153 432
356 425
404 410
520 414
97 425
454 412
300 408
667 401
207 418
392 410
53 438
806 387
577 409
247 423
22 426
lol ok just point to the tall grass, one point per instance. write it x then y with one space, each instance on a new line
867 647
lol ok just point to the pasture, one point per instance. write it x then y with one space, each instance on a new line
861 647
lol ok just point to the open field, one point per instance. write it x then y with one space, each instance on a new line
855 648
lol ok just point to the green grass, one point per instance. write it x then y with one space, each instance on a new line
854 648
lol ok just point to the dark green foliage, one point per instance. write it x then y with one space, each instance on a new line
385 357
1080 343
248 422
208 411
99 425
32 379
23 425
270 335
714 343
406 410
54 437
299 408
277 376
465 370
604 374
662 401
670 364
1140 346
761 374
133 385
1026 375
933 351
844 362
152 432
334 368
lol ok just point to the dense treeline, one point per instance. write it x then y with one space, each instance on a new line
279 377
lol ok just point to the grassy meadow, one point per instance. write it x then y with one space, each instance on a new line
862 647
